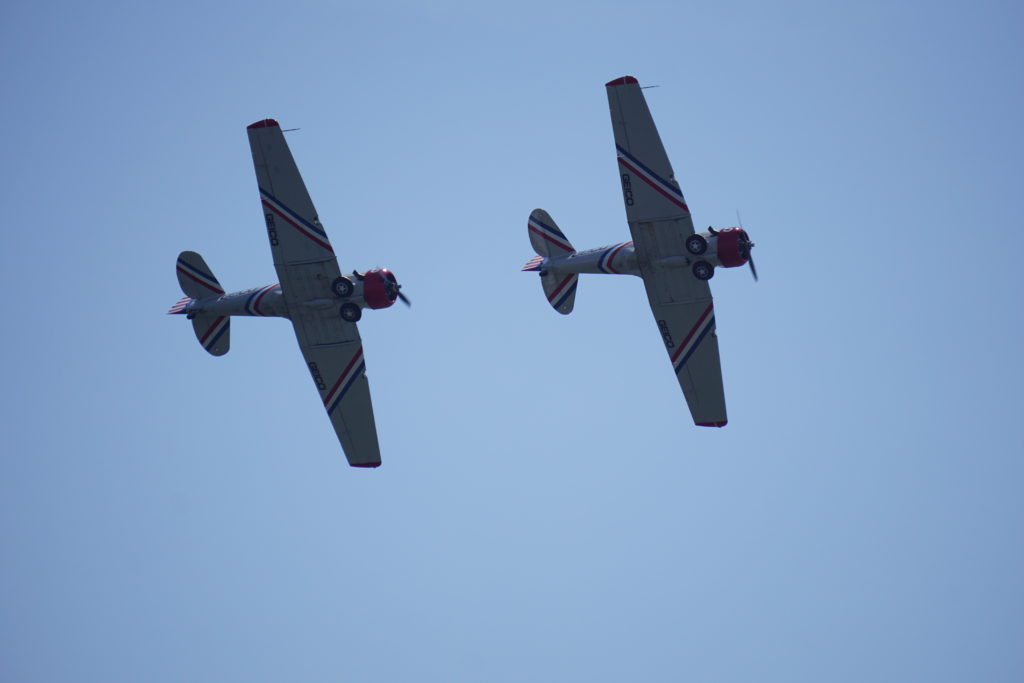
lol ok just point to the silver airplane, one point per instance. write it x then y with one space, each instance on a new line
674 260
322 303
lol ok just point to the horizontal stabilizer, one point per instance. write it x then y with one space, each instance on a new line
195 277
550 242
560 290
213 332
546 237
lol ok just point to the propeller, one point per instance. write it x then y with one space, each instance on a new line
396 289
750 260
745 246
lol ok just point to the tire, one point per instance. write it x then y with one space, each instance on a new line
696 244
702 270
351 313
342 287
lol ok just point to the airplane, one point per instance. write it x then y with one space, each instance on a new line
674 260
323 304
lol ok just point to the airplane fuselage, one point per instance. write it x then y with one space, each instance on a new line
715 248
260 301
616 259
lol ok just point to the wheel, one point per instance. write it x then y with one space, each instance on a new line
696 244
351 312
342 287
702 270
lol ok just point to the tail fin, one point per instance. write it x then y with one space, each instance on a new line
213 332
546 238
181 306
195 277
560 291
198 282
550 242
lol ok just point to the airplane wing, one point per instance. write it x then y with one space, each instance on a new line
306 266
303 255
660 222
339 372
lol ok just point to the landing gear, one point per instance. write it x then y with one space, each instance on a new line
342 287
702 270
696 244
351 313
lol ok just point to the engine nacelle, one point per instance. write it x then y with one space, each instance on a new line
728 248
380 288
733 247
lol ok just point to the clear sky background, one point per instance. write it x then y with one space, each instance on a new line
546 510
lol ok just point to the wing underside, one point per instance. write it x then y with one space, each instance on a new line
659 221
688 331
303 256
339 372
307 267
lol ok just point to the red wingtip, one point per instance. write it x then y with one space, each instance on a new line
265 123
625 80
713 424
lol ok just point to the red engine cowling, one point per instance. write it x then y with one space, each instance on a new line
733 247
380 288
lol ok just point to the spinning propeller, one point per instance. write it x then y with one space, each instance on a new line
745 246
394 290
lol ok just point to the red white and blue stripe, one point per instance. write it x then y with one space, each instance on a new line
534 263
214 332
180 306
201 276
705 324
565 289
252 304
670 190
550 233
313 232
607 260
355 369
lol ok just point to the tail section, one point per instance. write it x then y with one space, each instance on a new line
560 291
181 306
198 282
195 277
213 332
545 236
551 243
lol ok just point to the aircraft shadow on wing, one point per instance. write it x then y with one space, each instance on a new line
675 261
322 304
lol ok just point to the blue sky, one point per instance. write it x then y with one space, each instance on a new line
546 510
